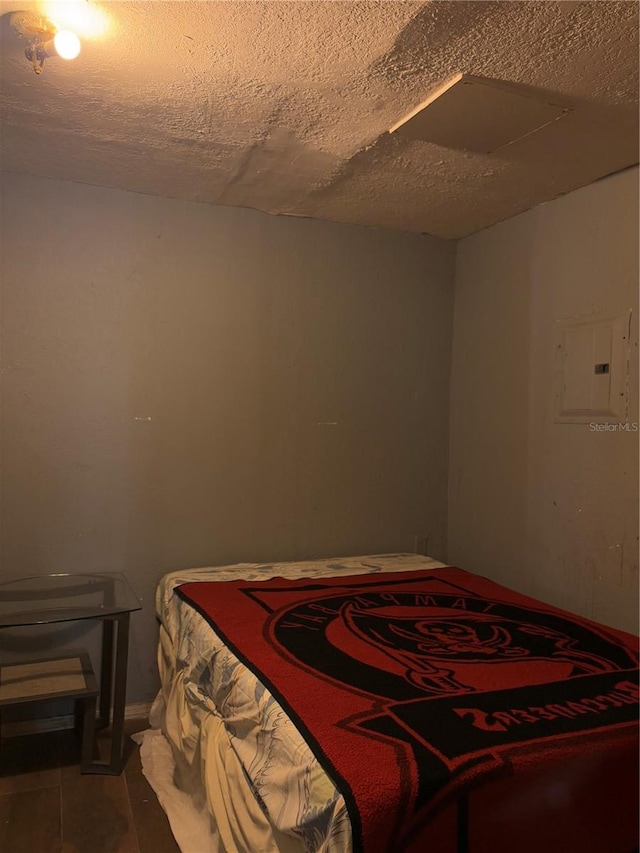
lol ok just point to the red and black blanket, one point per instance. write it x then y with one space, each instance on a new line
452 713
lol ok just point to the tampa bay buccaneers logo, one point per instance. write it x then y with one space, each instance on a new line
457 682
431 647
405 645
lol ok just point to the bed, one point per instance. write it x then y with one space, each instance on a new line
296 696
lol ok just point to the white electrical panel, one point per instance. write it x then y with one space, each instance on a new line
592 369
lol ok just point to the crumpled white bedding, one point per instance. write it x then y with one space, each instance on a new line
236 752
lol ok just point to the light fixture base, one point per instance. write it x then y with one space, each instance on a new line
31 26
40 34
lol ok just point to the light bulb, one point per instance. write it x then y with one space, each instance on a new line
67 44
83 18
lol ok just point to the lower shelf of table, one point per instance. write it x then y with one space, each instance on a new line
66 675
69 675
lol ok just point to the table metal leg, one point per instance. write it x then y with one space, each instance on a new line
120 693
106 673
113 677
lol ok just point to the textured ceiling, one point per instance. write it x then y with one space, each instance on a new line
285 106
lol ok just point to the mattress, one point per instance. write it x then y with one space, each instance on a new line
235 749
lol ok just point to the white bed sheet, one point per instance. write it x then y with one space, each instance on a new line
298 799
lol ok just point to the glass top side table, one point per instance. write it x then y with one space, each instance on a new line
107 596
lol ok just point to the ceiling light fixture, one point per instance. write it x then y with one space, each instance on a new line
43 39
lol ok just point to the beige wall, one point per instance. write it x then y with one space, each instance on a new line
550 509
189 385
